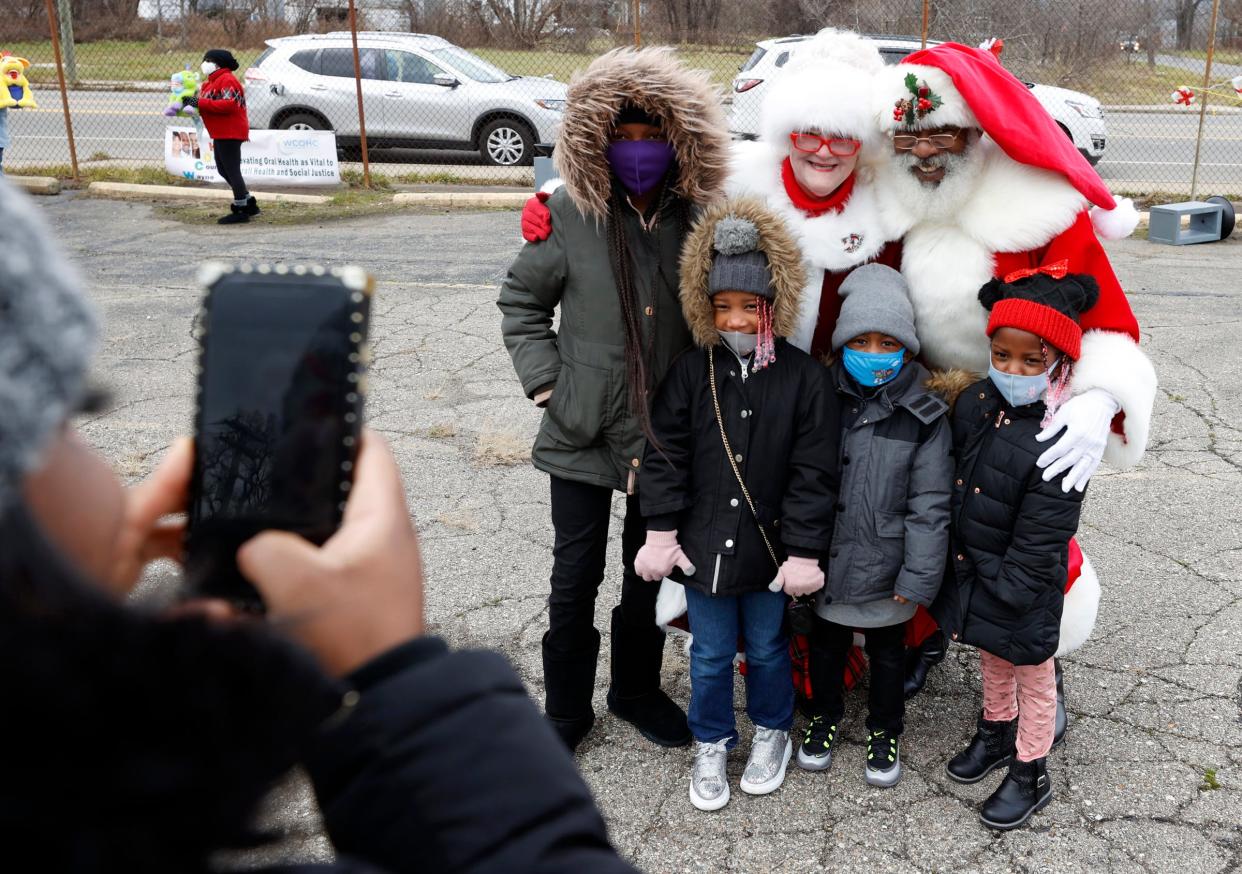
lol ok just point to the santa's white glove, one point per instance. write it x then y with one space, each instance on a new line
1086 419
659 555
798 576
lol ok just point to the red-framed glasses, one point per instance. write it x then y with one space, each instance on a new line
839 146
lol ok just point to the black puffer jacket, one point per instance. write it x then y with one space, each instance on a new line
782 423
1010 533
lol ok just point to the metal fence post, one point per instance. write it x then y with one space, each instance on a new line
65 13
926 20
362 118
64 95
1207 83
638 27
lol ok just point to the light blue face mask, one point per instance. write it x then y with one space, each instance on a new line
873 368
1017 389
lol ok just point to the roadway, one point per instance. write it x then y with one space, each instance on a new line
1147 151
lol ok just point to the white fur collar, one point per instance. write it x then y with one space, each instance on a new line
832 241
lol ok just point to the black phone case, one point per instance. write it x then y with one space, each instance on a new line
210 561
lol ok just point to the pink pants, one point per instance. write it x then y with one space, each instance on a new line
1028 692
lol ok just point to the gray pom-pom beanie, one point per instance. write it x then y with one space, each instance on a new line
47 338
876 299
738 263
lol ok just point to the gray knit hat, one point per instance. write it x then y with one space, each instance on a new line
876 299
47 337
738 263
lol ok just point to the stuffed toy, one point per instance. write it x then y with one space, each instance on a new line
182 84
16 92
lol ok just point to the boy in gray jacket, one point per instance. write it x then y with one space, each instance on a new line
892 521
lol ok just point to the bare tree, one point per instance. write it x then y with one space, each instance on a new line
522 23
1184 12
690 20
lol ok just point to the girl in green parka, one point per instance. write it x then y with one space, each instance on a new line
643 144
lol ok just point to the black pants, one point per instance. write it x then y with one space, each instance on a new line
228 165
886 659
581 515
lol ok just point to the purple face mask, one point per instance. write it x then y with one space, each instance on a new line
639 164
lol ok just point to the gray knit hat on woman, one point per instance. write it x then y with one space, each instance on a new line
47 338
876 299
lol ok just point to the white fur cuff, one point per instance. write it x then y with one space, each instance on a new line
1082 603
1112 361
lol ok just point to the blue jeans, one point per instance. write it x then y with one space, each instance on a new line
716 624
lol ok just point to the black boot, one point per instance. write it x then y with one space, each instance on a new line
992 747
635 694
1062 722
569 681
252 206
921 659
237 215
1025 789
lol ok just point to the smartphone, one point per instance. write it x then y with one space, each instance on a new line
279 413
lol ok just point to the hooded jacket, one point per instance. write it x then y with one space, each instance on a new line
1004 591
781 422
588 433
892 523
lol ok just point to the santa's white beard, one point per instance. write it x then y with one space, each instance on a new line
936 202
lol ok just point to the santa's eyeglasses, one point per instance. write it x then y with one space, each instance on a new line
811 143
907 142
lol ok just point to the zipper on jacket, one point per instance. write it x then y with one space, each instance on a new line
716 574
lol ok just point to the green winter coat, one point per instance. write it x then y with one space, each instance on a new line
588 433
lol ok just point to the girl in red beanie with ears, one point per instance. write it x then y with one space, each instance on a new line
222 105
1010 533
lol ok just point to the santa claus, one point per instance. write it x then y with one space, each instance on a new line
981 183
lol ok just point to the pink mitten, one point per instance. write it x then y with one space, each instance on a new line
798 576
659 555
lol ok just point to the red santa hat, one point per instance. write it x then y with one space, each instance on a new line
968 87
826 86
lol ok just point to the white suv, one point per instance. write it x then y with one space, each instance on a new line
418 91
1080 116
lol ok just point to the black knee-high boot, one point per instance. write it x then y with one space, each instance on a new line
569 681
635 694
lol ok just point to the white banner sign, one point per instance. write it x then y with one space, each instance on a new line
284 157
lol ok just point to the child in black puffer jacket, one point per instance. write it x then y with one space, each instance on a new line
1010 534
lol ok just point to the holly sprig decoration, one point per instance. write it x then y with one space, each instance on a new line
921 101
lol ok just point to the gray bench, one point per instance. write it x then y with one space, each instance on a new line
1165 223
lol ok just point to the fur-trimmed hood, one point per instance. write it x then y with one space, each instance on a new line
775 241
686 103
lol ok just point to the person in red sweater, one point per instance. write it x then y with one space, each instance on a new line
222 104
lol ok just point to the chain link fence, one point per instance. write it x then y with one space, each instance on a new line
463 91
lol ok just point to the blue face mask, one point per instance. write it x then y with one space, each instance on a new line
873 368
1017 389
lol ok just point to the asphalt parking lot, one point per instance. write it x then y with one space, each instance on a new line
1154 697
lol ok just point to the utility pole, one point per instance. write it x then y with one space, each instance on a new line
64 12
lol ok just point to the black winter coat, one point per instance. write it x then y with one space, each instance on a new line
445 764
783 422
1005 584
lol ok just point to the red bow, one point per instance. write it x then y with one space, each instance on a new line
1184 96
1056 270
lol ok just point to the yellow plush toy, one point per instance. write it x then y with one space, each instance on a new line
15 93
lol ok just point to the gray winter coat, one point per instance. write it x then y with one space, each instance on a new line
892 527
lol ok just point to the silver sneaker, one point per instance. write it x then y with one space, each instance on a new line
769 754
709 787
883 759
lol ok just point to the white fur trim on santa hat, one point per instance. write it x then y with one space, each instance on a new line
1117 223
891 87
1112 361
551 185
827 86
1082 604
670 602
